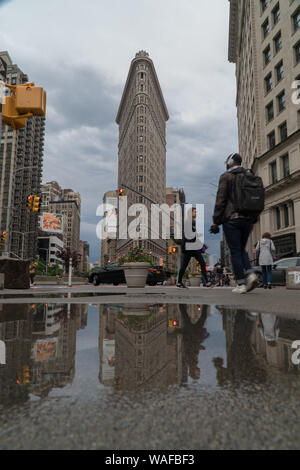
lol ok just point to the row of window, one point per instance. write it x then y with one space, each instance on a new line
281 106
266 27
282 135
295 18
284 171
279 75
284 216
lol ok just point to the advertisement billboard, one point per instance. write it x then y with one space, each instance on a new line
45 349
51 222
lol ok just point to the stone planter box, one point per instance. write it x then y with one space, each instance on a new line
195 281
136 274
16 273
293 278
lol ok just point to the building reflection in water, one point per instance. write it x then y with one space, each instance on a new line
150 346
40 342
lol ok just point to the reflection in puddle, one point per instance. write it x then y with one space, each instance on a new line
139 347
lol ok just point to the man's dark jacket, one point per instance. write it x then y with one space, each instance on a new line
224 207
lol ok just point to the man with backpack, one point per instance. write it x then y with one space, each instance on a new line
239 202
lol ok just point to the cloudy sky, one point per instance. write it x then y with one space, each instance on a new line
81 53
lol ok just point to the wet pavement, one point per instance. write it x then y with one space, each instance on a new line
147 376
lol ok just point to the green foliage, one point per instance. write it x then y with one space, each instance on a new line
136 255
54 270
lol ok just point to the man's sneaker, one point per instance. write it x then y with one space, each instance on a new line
252 282
181 285
240 289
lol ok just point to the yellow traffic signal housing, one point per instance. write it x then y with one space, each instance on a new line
10 115
36 204
26 374
30 99
29 202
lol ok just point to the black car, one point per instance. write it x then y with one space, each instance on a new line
113 273
279 270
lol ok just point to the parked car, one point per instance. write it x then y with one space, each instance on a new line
279 270
113 273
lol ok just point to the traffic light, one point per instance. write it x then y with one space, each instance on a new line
30 99
173 323
10 116
23 376
3 238
173 250
25 102
29 202
36 204
121 192
26 374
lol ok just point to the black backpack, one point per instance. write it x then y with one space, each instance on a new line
249 194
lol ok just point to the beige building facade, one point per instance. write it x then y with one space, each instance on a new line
142 120
67 203
264 43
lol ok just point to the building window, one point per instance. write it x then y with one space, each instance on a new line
279 71
296 20
264 5
278 43
266 28
268 83
278 218
271 140
267 55
286 215
270 112
273 171
292 213
297 52
283 131
281 100
285 166
276 14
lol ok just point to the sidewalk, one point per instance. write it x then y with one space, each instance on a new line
278 300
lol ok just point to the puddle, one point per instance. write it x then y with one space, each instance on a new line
49 347
84 353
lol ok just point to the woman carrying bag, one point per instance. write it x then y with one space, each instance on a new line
265 250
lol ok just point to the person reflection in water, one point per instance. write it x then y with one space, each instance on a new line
193 335
268 326
243 364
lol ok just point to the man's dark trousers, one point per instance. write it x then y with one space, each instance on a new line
185 259
237 232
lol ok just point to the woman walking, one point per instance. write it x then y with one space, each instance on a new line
266 250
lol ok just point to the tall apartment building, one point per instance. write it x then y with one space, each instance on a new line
142 117
21 163
264 43
67 203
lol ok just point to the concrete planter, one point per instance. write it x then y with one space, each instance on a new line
195 281
136 274
293 278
